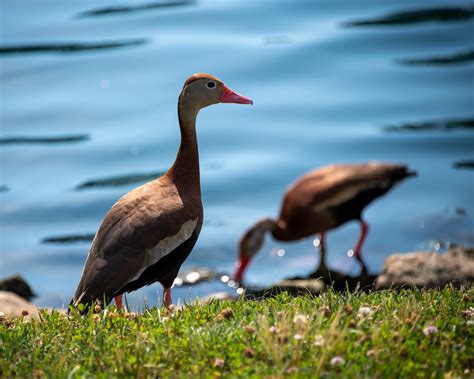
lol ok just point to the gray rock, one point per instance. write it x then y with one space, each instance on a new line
18 285
428 270
12 305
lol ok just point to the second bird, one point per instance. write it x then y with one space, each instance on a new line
322 200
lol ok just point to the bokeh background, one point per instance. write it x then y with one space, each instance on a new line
88 112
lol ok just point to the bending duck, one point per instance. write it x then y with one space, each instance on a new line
322 200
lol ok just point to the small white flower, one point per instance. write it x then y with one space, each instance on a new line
470 322
337 361
365 311
469 312
319 340
219 363
430 329
273 329
298 337
300 319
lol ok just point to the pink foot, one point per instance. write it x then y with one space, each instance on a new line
118 301
167 301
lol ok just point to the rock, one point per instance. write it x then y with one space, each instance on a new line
428 270
295 287
12 305
18 285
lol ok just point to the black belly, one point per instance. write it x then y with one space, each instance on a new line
165 270
352 209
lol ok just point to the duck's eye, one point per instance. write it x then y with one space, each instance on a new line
211 84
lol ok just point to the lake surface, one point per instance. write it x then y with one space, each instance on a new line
88 112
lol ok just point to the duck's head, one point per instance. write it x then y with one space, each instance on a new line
202 90
250 244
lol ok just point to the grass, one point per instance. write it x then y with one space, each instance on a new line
386 334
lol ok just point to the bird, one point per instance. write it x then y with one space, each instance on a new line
322 200
150 231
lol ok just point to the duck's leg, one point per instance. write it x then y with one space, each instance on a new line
322 269
118 301
364 230
167 301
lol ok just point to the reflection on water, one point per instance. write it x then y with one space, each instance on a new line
431 126
417 16
133 8
67 47
195 275
73 238
466 165
43 140
438 246
119 180
463 57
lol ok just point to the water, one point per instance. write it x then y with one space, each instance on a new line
88 107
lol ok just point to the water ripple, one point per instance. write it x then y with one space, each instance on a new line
431 126
458 58
447 14
464 165
68 239
119 180
71 47
105 11
43 140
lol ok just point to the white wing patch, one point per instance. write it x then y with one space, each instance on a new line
166 246
345 195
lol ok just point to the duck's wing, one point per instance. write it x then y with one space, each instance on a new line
334 185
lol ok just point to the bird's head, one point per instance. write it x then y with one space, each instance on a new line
250 244
201 90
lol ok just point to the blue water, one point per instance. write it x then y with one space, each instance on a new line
323 92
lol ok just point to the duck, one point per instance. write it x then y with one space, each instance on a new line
149 232
322 200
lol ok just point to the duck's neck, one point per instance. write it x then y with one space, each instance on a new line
185 168
277 228
280 231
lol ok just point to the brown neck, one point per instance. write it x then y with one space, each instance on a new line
276 227
185 168
279 231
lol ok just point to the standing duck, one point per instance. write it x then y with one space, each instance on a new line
322 200
147 235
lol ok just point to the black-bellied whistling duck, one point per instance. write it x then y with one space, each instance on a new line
322 200
149 232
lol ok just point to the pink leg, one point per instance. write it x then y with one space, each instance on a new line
167 301
118 301
364 230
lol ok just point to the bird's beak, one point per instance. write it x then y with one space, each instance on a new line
241 267
229 96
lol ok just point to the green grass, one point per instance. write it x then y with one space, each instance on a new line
387 334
